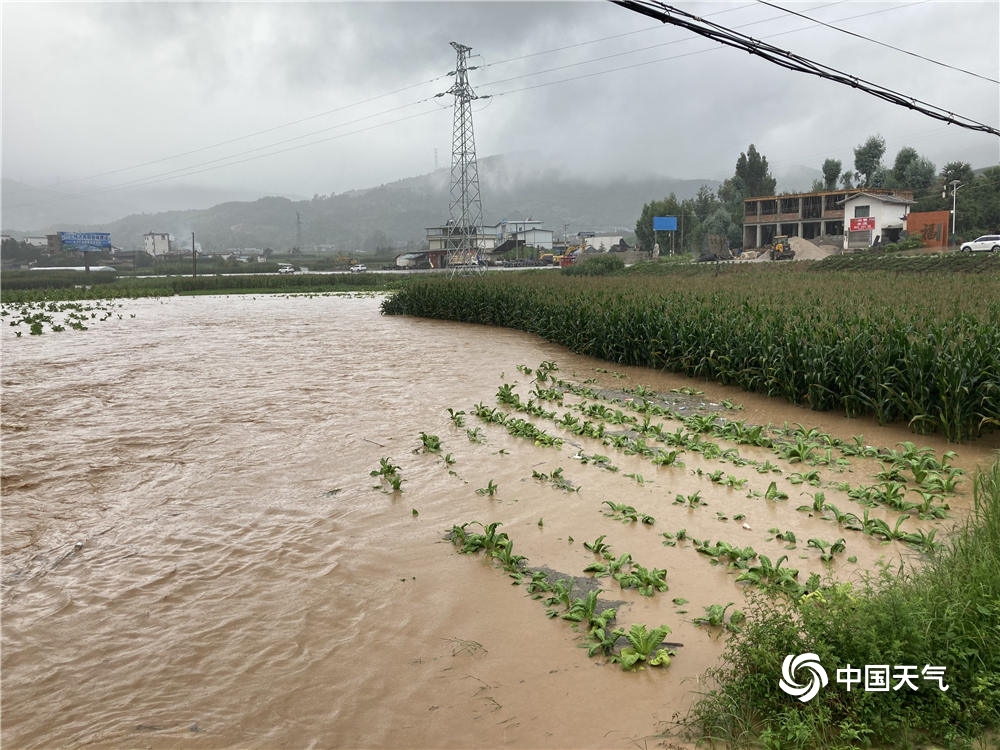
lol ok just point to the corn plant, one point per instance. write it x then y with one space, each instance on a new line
827 549
847 520
612 567
626 513
490 489
646 580
430 443
644 647
692 501
556 479
810 478
770 574
715 615
598 546
597 459
773 493
389 473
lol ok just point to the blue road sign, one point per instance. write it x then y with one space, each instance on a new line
86 240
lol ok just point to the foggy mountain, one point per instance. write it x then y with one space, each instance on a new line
29 209
396 214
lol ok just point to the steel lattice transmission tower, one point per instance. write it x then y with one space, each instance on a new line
465 209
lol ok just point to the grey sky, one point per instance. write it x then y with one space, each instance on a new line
94 87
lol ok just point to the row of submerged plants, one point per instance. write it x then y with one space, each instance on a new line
56 317
891 346
942 619
634 648
942 612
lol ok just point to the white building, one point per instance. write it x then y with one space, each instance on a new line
869 217
443 237
157 243
602 244
37 240
540 238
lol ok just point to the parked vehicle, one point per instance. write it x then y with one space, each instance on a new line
359 268
286 269
988 243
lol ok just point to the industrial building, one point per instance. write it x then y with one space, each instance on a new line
498 238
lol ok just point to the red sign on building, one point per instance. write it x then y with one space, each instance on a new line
862 224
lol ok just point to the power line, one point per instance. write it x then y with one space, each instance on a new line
664 59
325 113
612 36
234 159
876 41
794 62
679 41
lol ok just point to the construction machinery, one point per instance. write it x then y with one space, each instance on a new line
781 248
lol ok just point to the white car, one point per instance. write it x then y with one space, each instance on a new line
988 243
359 268
286 269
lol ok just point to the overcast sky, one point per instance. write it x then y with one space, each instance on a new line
104 94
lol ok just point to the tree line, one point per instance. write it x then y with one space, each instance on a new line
721 212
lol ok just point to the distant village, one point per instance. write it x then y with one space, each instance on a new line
851 218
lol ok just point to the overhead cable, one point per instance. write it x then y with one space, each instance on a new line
794 62
667 44
876 41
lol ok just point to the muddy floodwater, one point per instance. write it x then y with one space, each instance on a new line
195 553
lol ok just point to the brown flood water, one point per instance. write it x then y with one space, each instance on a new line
194 553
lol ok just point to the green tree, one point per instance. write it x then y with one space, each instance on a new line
957 170
977 201
705 202
644 234
906 156
753 177
882 178
831 172
868 157
721 222
919 175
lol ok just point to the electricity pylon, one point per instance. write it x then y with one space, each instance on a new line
465 209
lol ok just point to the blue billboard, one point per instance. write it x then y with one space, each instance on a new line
664 223
86 240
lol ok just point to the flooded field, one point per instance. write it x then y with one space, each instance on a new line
195 552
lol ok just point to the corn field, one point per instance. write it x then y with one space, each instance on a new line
924 349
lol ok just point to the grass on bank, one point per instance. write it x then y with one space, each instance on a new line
945 613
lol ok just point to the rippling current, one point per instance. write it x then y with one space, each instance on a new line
194 553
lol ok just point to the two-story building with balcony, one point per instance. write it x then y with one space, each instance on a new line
824 214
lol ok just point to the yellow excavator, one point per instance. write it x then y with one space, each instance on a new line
781 248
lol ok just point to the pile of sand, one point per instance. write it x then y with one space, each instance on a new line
806 250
